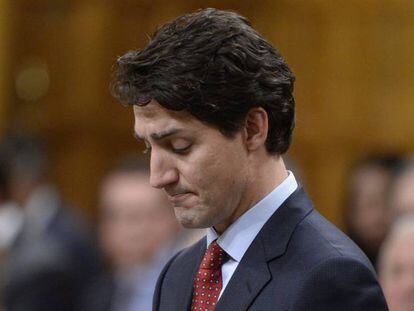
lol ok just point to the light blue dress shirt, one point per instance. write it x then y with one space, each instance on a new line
237 238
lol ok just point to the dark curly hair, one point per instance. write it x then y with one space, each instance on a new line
214 65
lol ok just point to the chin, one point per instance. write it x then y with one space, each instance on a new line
188 224
191 223
188 219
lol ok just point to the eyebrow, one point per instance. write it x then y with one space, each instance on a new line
161 135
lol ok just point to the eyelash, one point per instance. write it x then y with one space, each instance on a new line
175 150
181 150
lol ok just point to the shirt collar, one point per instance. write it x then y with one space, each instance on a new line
237 238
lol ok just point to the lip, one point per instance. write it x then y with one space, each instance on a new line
179 197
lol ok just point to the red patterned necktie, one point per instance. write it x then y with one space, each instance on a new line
208 281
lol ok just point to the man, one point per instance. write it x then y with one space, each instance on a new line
136 249
367 211
10 221
401 194
213 101
52 258
396 269
10 214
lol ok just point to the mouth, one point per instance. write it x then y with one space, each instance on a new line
177 198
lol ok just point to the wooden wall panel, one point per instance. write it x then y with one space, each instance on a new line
4 61
353 61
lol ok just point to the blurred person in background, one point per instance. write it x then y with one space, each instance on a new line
396 265
138 233
10 222
52 259
367 215
10 214
401 194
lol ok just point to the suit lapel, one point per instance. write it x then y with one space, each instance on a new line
186 280
252 273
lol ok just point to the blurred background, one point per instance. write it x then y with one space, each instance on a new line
353 60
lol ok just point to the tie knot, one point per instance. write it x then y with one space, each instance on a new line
214 257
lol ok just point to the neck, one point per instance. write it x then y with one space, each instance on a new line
266 176
263 178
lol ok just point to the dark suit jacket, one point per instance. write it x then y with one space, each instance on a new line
50 271
298 261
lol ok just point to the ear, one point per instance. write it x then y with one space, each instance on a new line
256 127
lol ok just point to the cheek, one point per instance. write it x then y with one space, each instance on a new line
199 171
213 170
214 175
222 186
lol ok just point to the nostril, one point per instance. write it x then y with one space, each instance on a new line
155 182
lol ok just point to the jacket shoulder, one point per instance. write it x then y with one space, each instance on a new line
334 273
325 240
339 283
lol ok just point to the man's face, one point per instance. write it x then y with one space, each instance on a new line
204 173
402 196
369 215
397 277
130 210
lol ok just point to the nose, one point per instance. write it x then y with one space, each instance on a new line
163 171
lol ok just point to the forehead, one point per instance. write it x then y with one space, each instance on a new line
153 118
155 110
121 184
403 247
129 191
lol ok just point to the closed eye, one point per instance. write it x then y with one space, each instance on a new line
183 150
